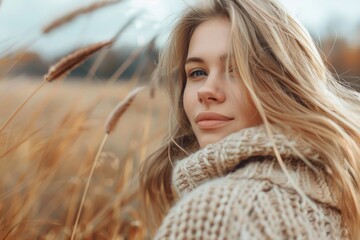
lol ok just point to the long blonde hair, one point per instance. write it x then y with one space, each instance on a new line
289 84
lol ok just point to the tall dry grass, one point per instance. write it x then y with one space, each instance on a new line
60 70
48 149
51 187
47 152
68 17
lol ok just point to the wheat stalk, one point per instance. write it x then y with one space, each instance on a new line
70 62
11 149
73 14
60 69
103 54
133 56
27 222
109 128
17 57
21 106
120 109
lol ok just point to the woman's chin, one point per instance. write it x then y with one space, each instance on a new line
206 139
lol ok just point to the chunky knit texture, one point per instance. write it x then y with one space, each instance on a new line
236 189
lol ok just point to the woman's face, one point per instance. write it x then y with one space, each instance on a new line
215 105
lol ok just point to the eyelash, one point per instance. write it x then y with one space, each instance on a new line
191 74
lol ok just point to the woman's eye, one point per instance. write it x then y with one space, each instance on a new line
197 73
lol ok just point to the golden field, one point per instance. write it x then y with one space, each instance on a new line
49 147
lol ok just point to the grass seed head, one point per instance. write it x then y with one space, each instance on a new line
71 61
120 109
73 14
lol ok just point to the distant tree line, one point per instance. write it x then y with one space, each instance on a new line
32 64
343 59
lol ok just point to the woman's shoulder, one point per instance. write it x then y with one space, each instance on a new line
262 179
247 209
262 173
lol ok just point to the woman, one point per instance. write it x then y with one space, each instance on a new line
264 142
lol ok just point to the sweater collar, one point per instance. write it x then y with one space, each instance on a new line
223 157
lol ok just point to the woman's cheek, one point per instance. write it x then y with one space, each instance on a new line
189 99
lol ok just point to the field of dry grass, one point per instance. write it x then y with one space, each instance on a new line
53 185
48 149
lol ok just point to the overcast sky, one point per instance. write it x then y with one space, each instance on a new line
21 21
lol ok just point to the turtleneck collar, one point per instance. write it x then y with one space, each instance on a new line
223 157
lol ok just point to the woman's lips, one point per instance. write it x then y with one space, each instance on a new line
211 120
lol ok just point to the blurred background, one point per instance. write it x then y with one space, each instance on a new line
334 25
49 140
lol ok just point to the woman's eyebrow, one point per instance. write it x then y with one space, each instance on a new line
222 58
194 60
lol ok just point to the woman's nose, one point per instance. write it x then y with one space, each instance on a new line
211 91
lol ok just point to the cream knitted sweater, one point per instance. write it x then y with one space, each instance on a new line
235 189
